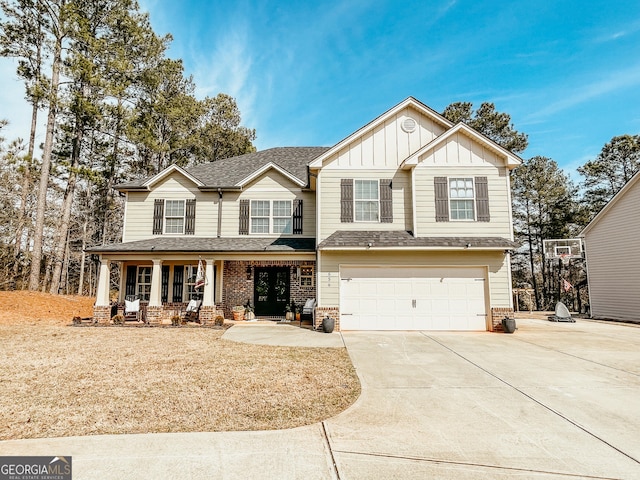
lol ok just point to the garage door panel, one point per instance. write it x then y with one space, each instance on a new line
413 298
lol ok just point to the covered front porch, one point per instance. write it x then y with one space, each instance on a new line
271 276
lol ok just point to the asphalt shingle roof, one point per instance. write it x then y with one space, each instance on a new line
211 245
401 238
229 172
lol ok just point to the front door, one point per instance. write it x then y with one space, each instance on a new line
271 290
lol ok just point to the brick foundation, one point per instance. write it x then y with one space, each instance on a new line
333 312
497 314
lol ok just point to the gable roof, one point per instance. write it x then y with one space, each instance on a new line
408 102
235 172
616 198
512 159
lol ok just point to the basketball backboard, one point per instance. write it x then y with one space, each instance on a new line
562 248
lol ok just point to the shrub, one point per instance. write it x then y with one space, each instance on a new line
219 320
117 319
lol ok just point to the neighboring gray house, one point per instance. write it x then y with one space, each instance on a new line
613 256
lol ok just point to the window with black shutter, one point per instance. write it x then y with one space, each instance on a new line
346 200
190 217
482 199
243 221
440 186
386 201
158 216
297 216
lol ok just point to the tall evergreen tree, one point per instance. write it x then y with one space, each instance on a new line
614 166
544 207
486 120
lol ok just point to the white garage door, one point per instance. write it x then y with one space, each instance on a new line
412 298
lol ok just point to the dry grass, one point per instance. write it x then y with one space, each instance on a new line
64 381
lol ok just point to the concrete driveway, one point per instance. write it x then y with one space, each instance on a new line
550 401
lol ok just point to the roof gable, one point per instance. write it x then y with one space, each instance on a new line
611 204
410 102
235 172
511 159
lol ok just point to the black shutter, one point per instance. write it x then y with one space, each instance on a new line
178 280
244 217
158 216
164 293
297 216
386 201
130 288
346 200
442 199
190 220
482 199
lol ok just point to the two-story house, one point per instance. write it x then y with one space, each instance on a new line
404 225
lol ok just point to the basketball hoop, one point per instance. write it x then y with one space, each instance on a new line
565 258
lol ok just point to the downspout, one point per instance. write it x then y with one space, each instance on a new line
219 212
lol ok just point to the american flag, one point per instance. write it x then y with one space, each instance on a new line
566 285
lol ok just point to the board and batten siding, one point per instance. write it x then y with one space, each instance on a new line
139 218
329 184
329 269
387 145
613 259
270 186
460 157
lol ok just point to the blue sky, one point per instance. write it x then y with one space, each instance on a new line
311 73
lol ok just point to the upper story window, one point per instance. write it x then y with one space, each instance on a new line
366 200
271 216
462 199
174 216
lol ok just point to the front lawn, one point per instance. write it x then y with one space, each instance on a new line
63 381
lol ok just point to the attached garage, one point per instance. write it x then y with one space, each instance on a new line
413 298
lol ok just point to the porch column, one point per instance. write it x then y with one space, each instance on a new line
104 279
155 297
208 296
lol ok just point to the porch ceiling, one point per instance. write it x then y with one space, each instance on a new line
210 245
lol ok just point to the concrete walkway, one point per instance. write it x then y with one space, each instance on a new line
550 401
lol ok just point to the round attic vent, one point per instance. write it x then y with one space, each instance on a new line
409 125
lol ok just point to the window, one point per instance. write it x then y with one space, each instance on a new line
366 201
191 272
461 199
271 216
174 216
306 276
143 283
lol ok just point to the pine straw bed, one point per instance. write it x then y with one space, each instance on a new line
63 381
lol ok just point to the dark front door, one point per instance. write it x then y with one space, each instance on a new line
271 290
